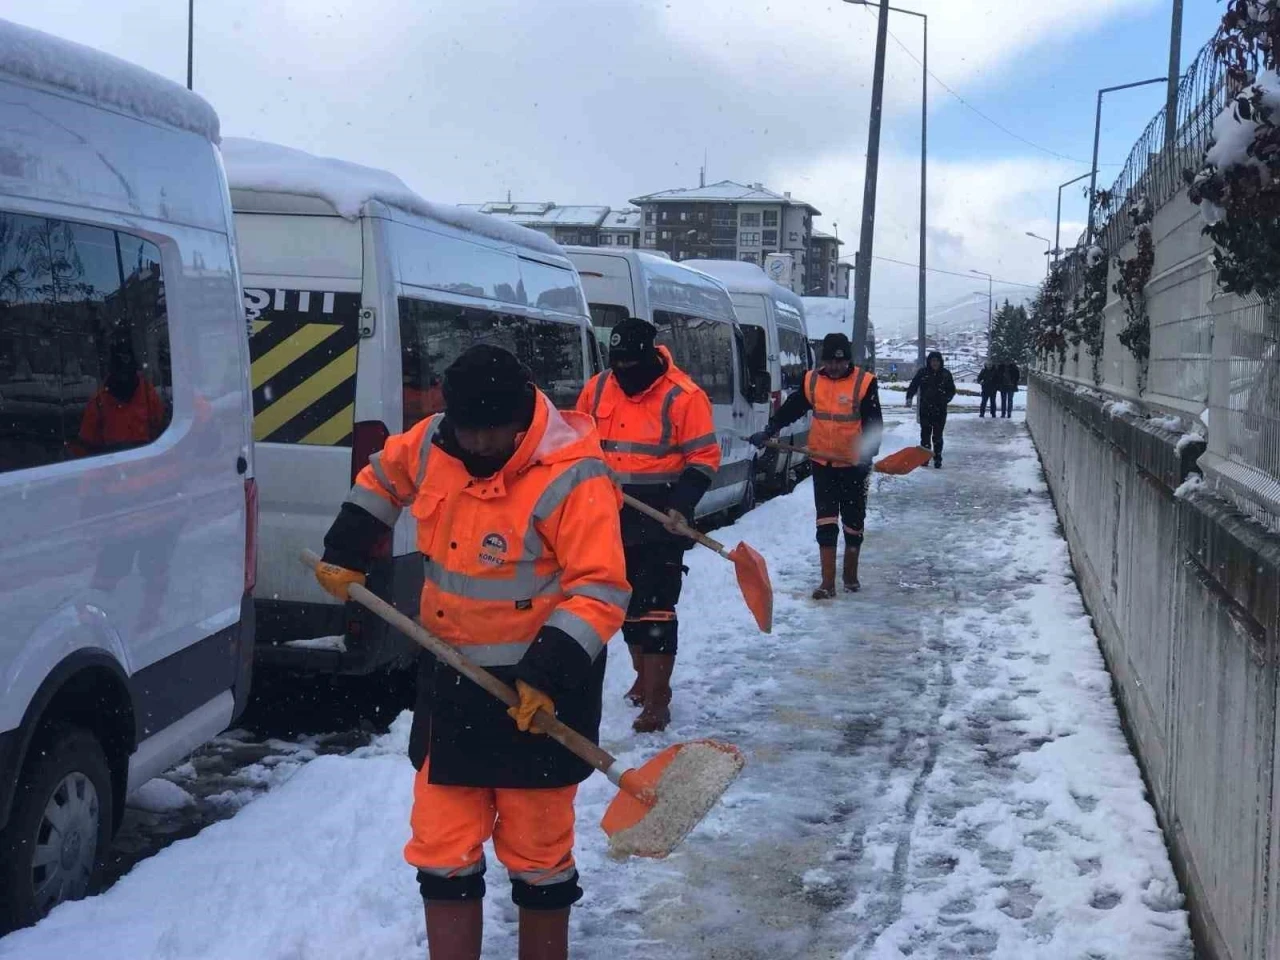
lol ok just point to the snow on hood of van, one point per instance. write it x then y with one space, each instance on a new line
823 315
272 168
37 57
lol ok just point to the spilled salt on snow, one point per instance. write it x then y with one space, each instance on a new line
697 777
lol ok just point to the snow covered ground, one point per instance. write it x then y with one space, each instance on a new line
935 769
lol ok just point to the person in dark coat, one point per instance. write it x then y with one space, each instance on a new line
1010 376
989 379
936 387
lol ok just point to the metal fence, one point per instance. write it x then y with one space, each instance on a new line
1214 357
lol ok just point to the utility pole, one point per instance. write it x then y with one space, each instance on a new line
191 36
862 279
1175 73
982 273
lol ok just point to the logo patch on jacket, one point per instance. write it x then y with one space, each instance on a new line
491 549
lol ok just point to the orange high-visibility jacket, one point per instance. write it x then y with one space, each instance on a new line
836 432
109 424
523 572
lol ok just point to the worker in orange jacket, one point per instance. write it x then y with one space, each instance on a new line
843 439
517 522
659 439
126 411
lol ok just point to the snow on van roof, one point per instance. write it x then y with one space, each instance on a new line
742 277
823 315
272 168
38 57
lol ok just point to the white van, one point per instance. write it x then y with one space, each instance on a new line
695 319
773 322
126 460
359 294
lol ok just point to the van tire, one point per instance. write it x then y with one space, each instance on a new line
749 499
66 768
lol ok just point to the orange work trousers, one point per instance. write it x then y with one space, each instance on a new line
531 828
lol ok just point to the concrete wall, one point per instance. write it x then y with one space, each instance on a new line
1185 594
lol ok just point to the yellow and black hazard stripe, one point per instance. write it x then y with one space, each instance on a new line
302 344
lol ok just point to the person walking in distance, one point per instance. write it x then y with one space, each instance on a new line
516 518
843 439
936 387
989 380
1009 377
659 440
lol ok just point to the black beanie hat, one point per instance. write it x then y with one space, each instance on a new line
632 339
835 346
488 387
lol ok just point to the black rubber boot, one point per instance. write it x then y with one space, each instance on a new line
635 696
658 668
544 934
827 588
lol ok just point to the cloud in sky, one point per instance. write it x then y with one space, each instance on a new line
583 101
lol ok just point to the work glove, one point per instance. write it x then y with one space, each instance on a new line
759 439
675 519
337 580
525 714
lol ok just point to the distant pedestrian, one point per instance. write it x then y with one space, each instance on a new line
989 379
1010 375
936 387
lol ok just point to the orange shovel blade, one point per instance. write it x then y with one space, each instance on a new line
903 461
754 582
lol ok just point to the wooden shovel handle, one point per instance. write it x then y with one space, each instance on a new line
567 737
684 529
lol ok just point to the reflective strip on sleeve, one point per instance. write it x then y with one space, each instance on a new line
425 453
617 596
581 631
629 446
645 479
525 585
668 428
697 443
554 495
375 464
494 654
381 508
600 385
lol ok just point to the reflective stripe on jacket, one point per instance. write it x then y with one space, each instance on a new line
537 545
834 436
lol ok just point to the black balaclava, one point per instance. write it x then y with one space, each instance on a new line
484 388
633 340
122 370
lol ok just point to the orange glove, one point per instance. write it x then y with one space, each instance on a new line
337 580
531 701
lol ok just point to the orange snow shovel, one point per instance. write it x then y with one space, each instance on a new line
896 464
748 565
657 804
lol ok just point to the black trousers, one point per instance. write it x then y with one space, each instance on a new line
656 571
932 423
1006 402
840 497
987 398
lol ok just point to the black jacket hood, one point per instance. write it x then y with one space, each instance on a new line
932 354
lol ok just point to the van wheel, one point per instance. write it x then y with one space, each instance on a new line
59 827
748 502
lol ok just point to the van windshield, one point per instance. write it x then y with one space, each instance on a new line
604 317
433 335
757 346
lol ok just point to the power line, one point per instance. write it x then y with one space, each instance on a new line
995 123
951 273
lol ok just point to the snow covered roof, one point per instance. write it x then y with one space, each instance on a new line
819 235
628 219
823 315
254 165
36 57
726 191
542 215
742 277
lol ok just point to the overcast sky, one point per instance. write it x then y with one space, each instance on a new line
598 101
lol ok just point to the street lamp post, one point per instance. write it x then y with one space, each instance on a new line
1057 229
989 283
191 36
1097 132
924 178
1048 248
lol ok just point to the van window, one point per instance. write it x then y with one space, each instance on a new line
702 348
757 346
84 342
433 335
604 317
793 356
303 344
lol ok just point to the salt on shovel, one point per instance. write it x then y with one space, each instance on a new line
658 803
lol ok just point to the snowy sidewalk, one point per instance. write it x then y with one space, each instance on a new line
935 769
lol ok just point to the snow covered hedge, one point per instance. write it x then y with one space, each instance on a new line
1238 185
1132 285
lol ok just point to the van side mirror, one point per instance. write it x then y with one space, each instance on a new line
761 387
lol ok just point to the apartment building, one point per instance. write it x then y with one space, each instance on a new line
586 226
824 259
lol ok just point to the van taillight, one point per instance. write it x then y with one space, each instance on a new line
367 438
250 534
777 400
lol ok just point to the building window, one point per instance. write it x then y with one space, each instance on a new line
648 236
749 220
665 234
606 239
624 240
664 216
84 342
748 239
771 237
648 217
771 218
684 216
